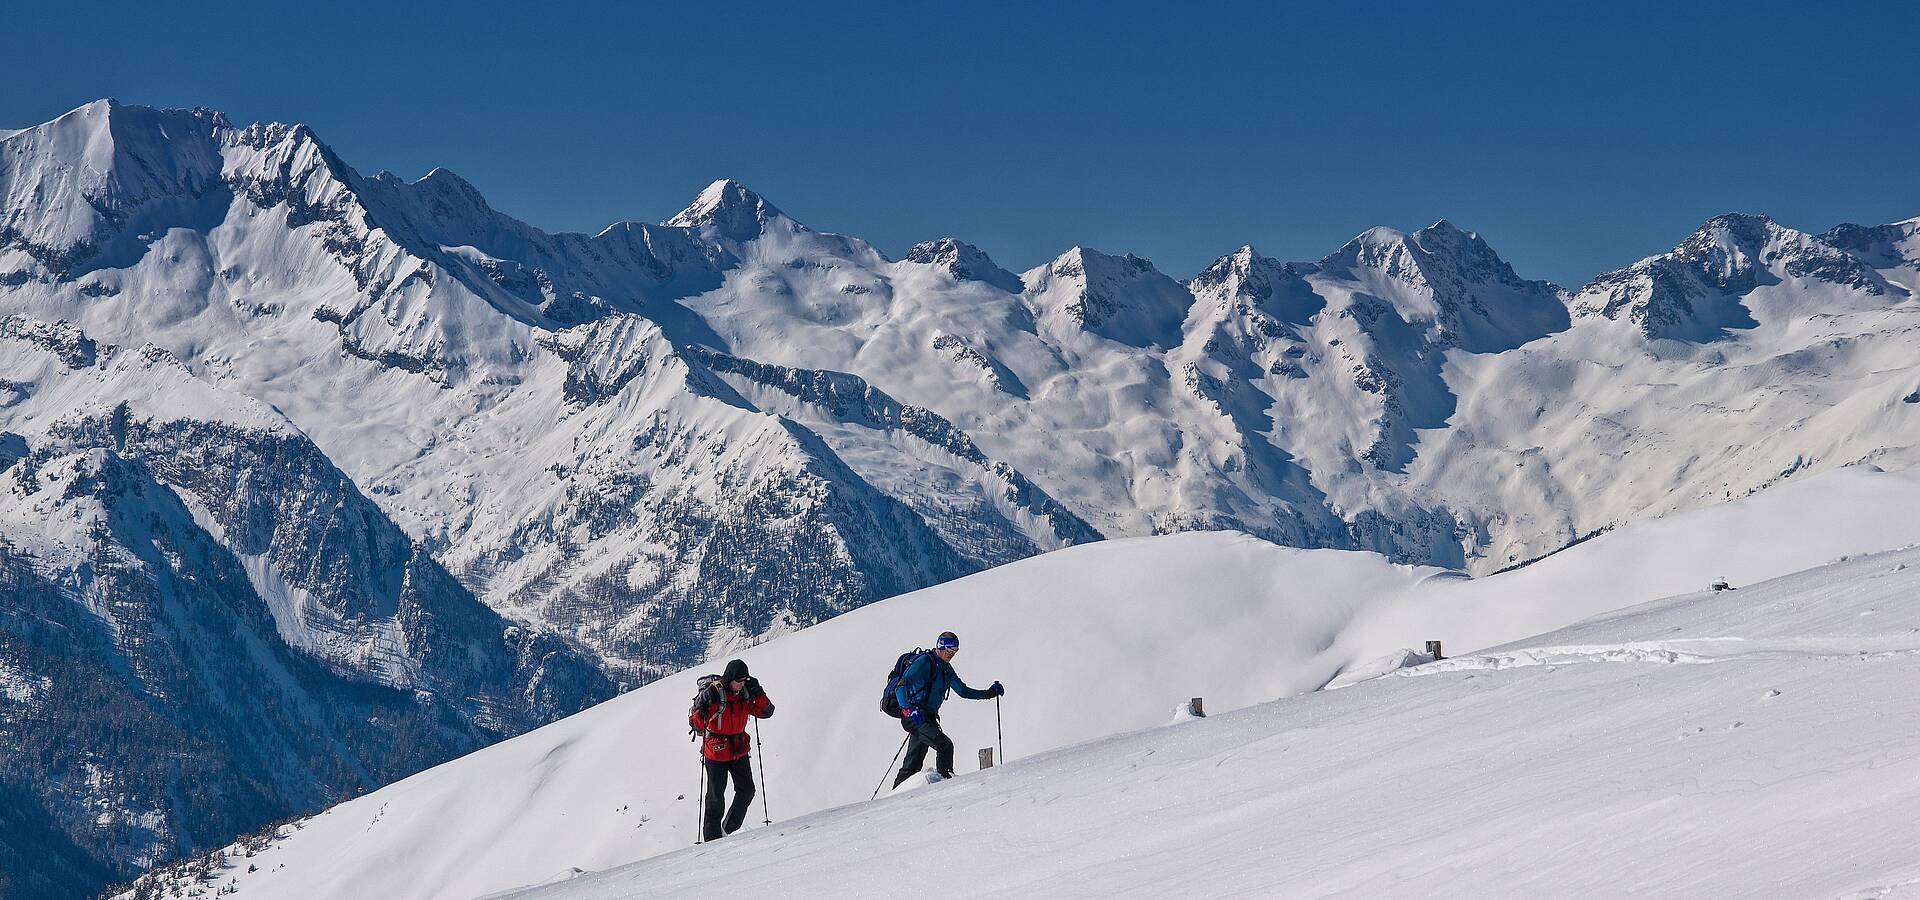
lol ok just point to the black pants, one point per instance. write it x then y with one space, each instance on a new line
920 737
742 771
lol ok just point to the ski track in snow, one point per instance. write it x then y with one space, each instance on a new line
1663 652
1905 890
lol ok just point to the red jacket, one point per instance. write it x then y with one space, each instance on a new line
722 716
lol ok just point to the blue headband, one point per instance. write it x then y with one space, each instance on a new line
947 642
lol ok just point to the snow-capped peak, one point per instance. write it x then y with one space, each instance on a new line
1259 283
1234 270
1727 247
446 180
1437 256
1893 248
451 199
964 262
1094 267
107 134
1731 251
66 185
728 209
1379 248
1697 290
1121 298
1447 276
1444 237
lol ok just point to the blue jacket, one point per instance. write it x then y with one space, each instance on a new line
924 685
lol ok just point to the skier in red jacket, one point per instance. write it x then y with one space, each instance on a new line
720 714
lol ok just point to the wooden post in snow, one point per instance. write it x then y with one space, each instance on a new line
986 757
1196 709
1433 650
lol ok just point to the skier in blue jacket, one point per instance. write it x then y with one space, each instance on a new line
923 687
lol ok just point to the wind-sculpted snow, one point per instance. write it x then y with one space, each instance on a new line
1095 643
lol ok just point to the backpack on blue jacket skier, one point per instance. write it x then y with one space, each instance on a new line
889 703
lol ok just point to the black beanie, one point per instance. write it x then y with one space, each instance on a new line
735 669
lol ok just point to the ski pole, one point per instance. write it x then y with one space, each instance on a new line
766 817
999 735
896 758
700 803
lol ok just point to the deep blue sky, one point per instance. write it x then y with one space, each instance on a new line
1574 139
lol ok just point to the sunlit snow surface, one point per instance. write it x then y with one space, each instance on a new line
1738 744
1601 759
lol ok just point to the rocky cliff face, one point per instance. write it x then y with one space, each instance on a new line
208 627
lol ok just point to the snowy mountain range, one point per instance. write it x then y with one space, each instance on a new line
398 442
208 625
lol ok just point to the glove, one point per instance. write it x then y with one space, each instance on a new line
913 717
753 688
997 689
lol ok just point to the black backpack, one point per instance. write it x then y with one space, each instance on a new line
700 696
889 703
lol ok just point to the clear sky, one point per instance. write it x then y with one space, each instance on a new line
1574 137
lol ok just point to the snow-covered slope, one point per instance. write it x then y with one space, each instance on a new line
1091 641
1796 357
1735 744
